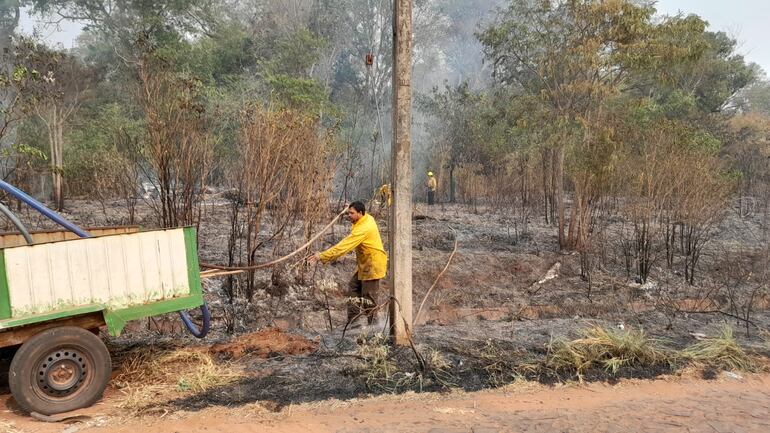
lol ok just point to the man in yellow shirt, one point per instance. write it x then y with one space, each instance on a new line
371 258
432 185
385 195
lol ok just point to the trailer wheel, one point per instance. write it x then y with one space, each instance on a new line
60 370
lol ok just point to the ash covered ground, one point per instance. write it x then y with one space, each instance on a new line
506 295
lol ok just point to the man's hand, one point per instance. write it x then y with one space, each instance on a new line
315 258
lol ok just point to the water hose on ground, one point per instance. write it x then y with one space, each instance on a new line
220 270
238 269
194 330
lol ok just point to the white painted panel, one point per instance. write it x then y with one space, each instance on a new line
118 271
79 260
132 260
17 270
164 258
160 261
152 267
58 265
95 262
178 264
40 278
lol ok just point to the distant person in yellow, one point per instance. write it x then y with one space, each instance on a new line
372 262
385 195
432 185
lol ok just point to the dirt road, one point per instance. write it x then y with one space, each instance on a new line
686 405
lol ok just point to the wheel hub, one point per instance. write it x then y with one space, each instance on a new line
60 373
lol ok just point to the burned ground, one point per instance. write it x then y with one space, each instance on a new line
505 298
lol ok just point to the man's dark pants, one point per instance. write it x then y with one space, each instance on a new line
431 195
363 299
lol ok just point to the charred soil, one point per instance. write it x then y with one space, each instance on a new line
493 318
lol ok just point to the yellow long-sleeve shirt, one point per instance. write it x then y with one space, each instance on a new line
432 184
365 238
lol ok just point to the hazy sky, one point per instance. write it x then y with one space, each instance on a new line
64 33
748 21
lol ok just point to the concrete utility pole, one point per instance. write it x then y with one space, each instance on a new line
400 224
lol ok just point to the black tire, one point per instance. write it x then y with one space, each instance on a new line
60 370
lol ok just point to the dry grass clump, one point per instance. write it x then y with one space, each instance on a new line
440 369
381 370
613 350
437 361
721 352
608 349
378 366
149 377
599 351
504 365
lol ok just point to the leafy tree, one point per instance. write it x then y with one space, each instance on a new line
64 85
755 97
287 72
586 60
471 127
570 54
17 87
687 69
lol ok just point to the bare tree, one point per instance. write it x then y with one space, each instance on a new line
282 175
179 146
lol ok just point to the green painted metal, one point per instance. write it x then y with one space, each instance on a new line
53 315
116 319
193 267
5 297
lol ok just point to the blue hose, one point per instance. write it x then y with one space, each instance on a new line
40 207
199 333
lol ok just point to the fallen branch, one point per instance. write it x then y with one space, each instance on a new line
438 277
552 273
420 359
724 313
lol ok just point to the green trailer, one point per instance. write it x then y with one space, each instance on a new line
57 292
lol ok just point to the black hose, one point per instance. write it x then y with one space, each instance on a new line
15 220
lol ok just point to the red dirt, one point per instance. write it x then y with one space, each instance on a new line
265 343
679 405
